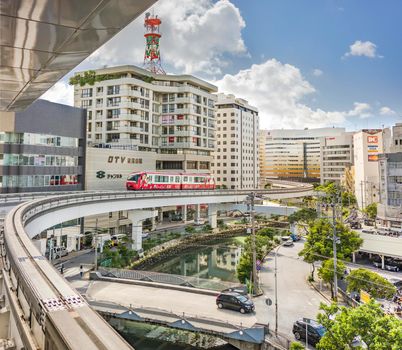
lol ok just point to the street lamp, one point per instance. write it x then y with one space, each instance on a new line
251 197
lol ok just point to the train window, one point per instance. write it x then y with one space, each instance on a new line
157 178
185 179
171 179
177 178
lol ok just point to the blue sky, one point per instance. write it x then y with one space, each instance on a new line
315 34
303 63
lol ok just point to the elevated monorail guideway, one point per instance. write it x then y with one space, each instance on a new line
50 314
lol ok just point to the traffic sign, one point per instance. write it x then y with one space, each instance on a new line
268 302
258 262
258 267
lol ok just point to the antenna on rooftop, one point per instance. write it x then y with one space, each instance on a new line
152 56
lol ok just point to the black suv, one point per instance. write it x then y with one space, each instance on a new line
235 301
315 331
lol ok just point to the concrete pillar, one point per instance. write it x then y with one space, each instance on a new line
197 212
212 215
184 213
160 215
382 262
136 217
153 223
353 257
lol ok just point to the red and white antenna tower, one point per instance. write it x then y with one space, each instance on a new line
152 57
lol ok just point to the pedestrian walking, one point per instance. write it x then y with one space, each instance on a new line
81 270
62 268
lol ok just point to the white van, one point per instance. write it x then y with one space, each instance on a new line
59 252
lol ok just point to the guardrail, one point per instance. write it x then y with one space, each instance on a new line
166 278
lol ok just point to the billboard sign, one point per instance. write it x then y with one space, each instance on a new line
373 157
372 139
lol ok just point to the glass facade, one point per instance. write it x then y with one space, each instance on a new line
21 176
37 139
38 160
37 180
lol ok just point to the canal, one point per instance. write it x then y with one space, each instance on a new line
217 262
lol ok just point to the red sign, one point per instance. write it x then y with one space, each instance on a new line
372 139
373 157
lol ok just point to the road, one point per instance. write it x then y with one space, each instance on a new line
296 299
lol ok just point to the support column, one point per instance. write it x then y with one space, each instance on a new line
383 262
184 213
160 215
353 257
136 217
153 223
212 215
197 213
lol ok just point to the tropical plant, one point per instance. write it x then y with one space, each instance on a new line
326 272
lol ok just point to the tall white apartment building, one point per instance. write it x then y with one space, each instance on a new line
293 154
335 156
368 145
236 164
131 108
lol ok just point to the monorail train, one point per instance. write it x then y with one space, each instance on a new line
169 181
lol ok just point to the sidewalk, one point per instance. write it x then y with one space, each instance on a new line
325 291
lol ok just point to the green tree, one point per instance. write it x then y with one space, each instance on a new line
318 246
267 232
263 245
371 282
371 211
367 321
189 229
304 215
348 199
296 346
326 272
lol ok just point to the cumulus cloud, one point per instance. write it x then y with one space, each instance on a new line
278 90
361 110
362 48
387 111
317 72
196 36
61 92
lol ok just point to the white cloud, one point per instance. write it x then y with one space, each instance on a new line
196 34
361 110
317 72
362 48
61 92
278 91
387 111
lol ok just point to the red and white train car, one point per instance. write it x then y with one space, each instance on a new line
169 181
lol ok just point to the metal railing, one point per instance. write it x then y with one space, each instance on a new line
166 278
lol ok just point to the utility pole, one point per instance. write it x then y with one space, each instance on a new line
334 240
96 244
253 247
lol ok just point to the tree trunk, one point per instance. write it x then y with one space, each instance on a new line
332 290
312 271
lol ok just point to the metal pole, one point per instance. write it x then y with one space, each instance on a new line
276 293
96 244
305 323
253 247
334 247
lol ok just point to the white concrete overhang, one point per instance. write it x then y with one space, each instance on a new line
42 40
382 245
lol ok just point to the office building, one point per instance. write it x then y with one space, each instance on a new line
131 108
236 163
293 154
368 145
389 209
336 154
42 148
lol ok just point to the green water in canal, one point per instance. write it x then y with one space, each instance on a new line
215 261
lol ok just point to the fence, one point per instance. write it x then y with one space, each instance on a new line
166 278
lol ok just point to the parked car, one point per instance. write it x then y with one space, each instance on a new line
288 243
355 225
145 235
393 265
369 231
234 301
315 330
